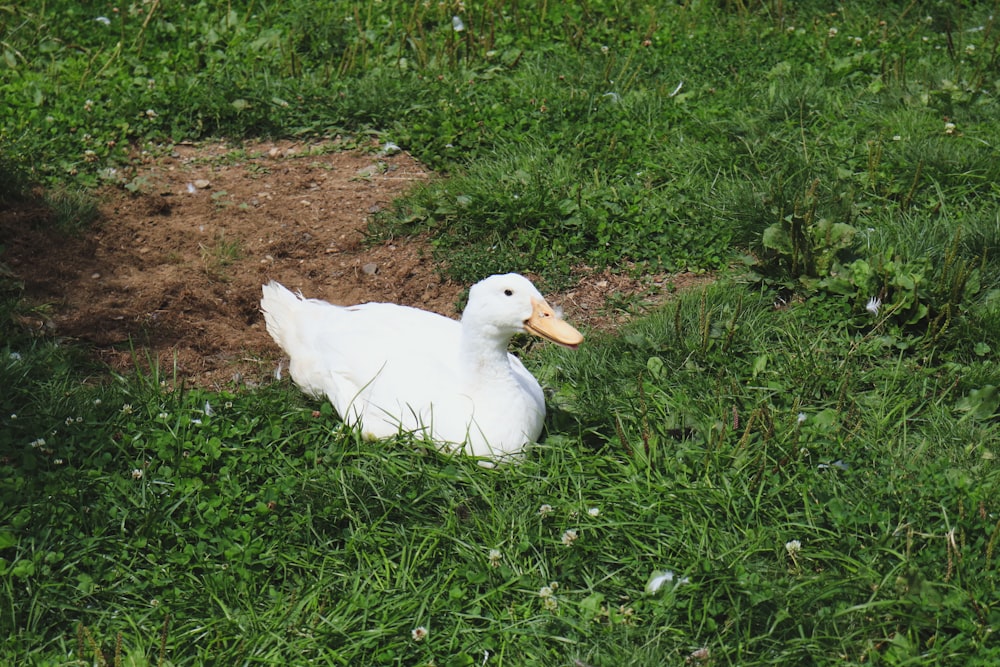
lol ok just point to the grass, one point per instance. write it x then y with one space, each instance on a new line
816 469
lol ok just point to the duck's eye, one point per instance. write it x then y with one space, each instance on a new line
508 292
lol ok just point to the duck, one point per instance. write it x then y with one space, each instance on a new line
390 369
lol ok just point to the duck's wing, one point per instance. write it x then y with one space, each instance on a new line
375 362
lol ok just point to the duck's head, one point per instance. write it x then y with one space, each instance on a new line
511 304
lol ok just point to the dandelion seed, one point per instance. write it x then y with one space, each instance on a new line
419 634
191 189
874 304
545 510
569 537
103 20
389 148
136 473
495 557
594 511
793 547
456 24
801 418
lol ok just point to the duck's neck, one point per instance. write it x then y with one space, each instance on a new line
483 352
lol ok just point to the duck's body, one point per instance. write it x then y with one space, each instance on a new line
389 369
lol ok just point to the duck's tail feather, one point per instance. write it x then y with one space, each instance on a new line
280 307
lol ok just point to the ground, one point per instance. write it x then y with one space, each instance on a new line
173 268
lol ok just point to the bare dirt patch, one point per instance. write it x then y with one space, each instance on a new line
174 268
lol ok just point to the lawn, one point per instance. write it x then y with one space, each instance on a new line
793 465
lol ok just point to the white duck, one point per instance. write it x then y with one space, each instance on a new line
389 368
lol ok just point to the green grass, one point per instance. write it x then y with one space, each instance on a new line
821 478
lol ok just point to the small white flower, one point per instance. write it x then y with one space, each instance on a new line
832 33
874 304
545 510
419 634
495 557
97 401
569 537
58 462
15 356
127 409
151 114
456 24
896 137
163 415
546 592
793 547
136 473
949 128
36 444
594 511
801 418
659 578
604 50
857 41
69 421
970 49
103 20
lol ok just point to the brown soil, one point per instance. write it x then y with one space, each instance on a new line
174 269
